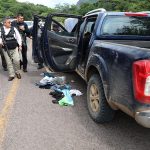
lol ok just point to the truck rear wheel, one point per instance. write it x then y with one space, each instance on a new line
98 108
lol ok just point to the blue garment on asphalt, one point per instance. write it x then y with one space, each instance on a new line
67 99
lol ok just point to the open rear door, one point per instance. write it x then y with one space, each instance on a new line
60 41
38 26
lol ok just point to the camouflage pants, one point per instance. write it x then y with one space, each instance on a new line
13 61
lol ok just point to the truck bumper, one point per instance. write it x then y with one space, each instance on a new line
143 118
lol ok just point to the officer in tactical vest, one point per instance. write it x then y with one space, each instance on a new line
24 32
11 42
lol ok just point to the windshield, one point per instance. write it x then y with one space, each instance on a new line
29 23
124 25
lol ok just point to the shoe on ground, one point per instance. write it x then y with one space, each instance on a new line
18 75
10 78
25 70
5 69
55 101
40 67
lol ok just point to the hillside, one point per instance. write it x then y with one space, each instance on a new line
12 7
86 1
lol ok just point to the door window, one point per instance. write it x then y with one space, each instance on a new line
124 25
88 30
64 26
89 27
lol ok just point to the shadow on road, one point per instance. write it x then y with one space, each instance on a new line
121 134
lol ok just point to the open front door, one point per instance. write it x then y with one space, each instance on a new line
38 26
60 41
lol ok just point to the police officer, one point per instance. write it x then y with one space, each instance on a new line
10 40
39 32
24 32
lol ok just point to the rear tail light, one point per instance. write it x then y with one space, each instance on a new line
132 14
141 79
147 86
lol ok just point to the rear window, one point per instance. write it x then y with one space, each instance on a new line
125 25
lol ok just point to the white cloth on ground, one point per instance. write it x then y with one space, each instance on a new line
76 92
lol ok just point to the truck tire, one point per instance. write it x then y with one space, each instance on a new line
98 107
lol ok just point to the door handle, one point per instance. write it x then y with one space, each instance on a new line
71 40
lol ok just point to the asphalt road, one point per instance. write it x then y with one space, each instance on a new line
30 121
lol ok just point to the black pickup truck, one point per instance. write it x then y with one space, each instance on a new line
110 51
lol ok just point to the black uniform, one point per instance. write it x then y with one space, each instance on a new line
38 60
23 34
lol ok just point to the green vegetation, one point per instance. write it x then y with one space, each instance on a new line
12 7
110 5
113 5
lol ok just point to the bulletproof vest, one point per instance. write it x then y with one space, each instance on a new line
9 40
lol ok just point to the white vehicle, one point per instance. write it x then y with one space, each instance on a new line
29 23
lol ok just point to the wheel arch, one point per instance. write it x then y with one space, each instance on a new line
97 65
